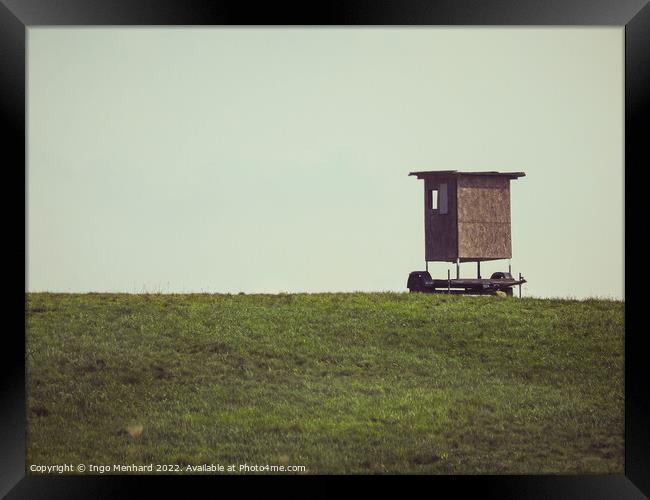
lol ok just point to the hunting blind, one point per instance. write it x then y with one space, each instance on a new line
467 219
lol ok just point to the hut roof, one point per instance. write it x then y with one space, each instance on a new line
456 173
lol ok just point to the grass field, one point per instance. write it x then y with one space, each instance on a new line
339 383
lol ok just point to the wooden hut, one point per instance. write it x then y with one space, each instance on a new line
467 215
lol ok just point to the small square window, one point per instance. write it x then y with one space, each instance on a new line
434 199
438 199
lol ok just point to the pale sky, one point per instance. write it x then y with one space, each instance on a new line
277 159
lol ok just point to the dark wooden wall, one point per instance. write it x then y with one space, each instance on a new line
440 231
483 218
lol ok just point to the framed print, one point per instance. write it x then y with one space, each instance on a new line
356 241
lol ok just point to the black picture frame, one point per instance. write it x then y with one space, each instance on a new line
18 15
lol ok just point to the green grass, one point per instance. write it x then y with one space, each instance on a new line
339 383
